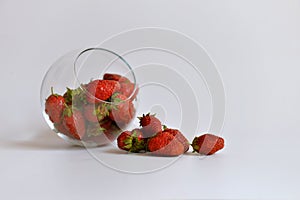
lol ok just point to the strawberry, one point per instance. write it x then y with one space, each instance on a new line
124 140
151 125
74 122
61 129
127 87
95 113
131 141
165 144
207 144
54 106
179 136
101 90
122 110
114 77
106 124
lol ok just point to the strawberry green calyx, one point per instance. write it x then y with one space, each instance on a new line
164 127
101 111
134 144
131 141
68 95
112 99
52 92
75 96
115 100
143 116
128 143
138 146
67 111
115 95
138 143
146 118
95 132
147 115
135 133
195 145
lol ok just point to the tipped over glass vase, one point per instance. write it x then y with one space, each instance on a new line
89 96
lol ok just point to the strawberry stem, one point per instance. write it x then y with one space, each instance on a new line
164 127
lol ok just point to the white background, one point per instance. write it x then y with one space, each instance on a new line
256 46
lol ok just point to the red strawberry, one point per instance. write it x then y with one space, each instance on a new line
165 144
151 125
101 90
207 144
180 137
54 106
95 113
115 77
61 129
127 87
122 111
124 140
106 124
74 122
131 141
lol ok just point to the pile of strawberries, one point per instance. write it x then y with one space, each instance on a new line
98 111
162 141
93 112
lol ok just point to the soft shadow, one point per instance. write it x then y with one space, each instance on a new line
121 152
191 154
44 140
116 151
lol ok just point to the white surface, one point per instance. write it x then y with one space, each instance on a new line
256 46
